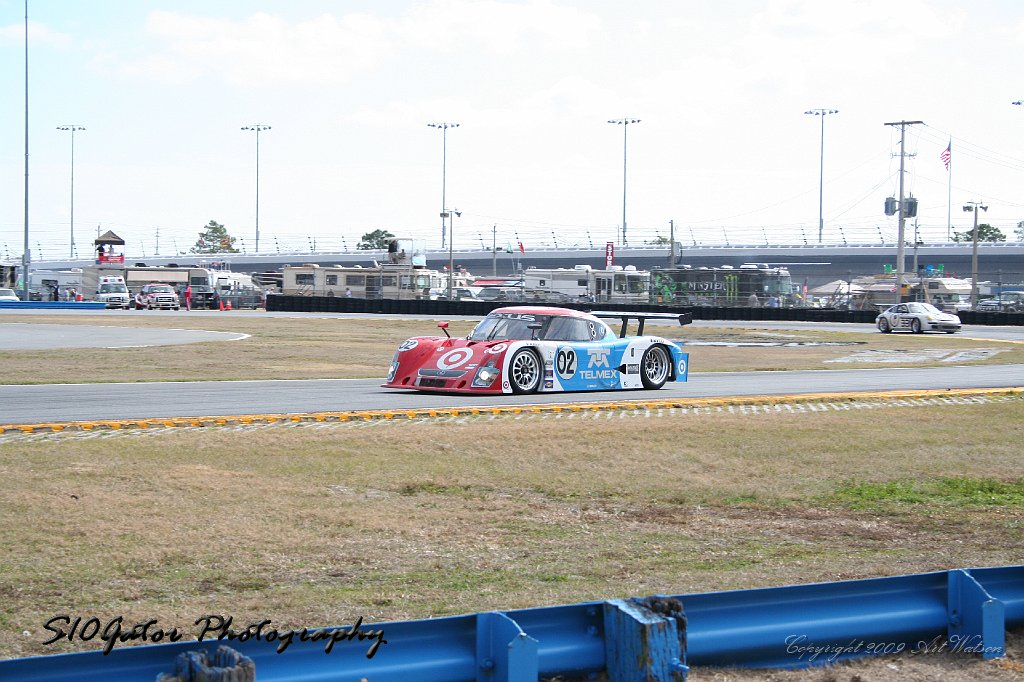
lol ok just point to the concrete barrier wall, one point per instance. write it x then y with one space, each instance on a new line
331 304
53 305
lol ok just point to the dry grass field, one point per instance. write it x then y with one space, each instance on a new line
317 524
313 525
330 347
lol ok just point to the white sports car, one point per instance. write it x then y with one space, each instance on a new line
917 318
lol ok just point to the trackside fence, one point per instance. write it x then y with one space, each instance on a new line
964 611
334 304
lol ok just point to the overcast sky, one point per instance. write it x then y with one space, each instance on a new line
723 146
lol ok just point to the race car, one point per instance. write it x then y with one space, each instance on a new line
917 318
526 349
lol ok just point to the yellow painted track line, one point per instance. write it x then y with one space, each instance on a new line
502 410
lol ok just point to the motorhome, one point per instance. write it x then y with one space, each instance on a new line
617 284
949 294
383 281
48 285
723 286
403 276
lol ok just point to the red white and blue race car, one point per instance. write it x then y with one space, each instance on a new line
527 349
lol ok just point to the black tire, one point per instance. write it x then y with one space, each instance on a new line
915 326
524 371
655 367
883 326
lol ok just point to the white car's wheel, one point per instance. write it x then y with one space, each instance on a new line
524 371
654 367
883 325
915 326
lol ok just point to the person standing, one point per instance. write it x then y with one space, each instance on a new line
188 296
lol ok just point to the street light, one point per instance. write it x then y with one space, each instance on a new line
451 252
624 122
257 127
444 167
974 206
73 128
821 171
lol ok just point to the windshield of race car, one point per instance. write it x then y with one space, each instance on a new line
517 326
925 308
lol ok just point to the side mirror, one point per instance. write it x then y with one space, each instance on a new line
443 326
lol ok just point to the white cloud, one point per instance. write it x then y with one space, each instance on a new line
264 50
14 34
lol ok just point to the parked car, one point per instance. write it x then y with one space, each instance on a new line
157 296
500 294
995 305
8 295
529 349
917 318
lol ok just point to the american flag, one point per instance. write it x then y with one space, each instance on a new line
946 153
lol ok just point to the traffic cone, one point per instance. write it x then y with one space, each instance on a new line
221 301
228 305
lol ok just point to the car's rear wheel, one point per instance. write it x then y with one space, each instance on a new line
883 326
524 371
654 367
915 326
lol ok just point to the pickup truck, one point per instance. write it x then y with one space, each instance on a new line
157 296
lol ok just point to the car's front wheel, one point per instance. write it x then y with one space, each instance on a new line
915 326
524 371
654 367
883 326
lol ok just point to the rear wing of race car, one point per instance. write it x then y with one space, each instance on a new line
624 317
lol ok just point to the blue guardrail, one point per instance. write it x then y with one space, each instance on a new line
631 640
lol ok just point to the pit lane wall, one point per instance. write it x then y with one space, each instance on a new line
336 304
963 611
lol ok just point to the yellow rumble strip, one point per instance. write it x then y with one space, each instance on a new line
499 410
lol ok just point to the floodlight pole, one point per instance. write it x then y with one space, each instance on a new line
443 127
26 256
257 127
821 166
624 122
73 128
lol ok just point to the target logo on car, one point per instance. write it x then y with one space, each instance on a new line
454 358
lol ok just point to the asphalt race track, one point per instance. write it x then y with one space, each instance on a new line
85 402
